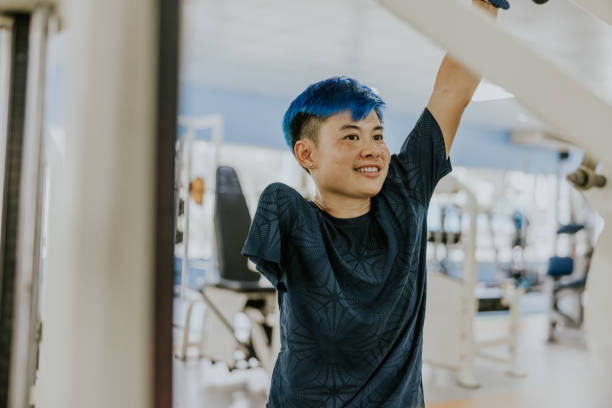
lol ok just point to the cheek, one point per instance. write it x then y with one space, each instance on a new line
385 153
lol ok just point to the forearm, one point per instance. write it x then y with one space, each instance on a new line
454 87
455 82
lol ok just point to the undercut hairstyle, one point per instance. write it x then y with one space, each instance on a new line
321 100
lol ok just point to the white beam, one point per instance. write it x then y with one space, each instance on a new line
473 38
29 230
599 8
98 302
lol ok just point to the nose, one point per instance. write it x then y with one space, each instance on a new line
370 150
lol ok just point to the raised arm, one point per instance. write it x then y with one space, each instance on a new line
454 88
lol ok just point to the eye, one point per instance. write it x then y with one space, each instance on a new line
378 137
351 137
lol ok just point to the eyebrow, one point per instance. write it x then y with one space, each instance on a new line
358 128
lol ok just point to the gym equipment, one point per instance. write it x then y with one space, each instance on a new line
518 267
183 175
444 238
563 282
449 340
23 49
585 177
536 82
238 290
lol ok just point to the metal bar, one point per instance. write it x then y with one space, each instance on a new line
223 320
27 279
167 107
6 51
189 138
10 209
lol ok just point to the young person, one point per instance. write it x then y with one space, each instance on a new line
349 266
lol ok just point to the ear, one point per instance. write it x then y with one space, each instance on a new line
305 153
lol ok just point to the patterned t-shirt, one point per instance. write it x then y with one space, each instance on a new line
351 315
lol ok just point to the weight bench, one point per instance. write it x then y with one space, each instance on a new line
238 289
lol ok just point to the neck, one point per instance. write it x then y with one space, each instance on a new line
342 206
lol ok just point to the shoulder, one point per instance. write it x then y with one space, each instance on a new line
280 191
282 197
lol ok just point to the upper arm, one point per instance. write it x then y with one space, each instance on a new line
421 162
263 243
447 109
454 87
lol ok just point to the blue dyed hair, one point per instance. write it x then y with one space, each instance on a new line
328 97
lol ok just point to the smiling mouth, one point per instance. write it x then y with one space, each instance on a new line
368 170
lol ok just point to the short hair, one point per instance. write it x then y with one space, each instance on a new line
325 98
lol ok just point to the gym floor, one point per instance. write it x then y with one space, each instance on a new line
557 375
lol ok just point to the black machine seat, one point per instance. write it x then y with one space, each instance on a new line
232 223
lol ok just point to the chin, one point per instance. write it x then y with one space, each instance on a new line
370 192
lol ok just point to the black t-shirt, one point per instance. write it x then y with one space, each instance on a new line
352 309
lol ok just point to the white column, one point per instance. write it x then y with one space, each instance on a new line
98 302
27 278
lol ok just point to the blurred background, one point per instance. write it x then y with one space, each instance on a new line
511 239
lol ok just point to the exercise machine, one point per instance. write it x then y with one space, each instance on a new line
449 338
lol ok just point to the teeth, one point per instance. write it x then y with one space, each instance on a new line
368 170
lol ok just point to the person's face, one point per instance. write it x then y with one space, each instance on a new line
351 158
197 191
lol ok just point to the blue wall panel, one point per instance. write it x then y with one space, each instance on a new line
256 119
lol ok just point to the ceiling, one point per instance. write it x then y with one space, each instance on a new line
278 47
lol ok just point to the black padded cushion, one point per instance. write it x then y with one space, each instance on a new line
560 266
232 222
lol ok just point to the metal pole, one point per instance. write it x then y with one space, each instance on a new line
6 51
98 348
189 137
27 281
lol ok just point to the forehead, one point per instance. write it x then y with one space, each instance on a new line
338 120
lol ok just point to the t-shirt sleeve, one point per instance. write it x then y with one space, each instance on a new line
422 160
263 244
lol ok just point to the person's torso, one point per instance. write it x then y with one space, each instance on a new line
353 311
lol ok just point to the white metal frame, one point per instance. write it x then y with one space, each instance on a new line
578 113
6 51
449 338
98 347
27 277
193 124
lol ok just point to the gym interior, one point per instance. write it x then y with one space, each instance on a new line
136 138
